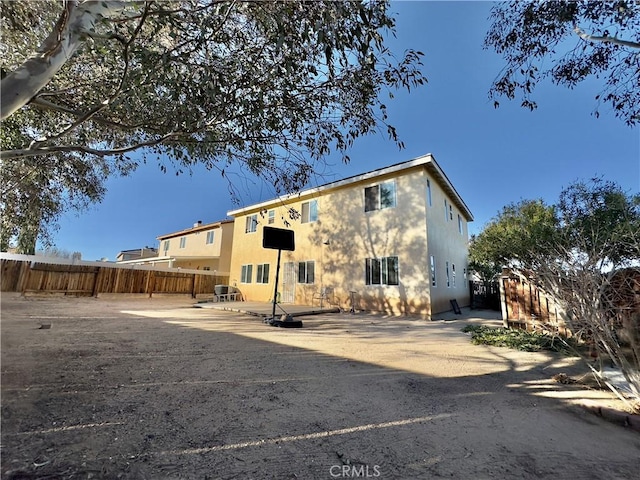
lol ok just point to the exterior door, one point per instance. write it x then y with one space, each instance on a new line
289 282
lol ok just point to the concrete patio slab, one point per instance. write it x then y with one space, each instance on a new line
265 309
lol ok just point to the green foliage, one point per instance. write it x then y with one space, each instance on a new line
272 87
569 41
593 222
519 340
275 86
602 221
486 270
520 234
34 192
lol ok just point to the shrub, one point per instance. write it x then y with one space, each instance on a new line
520 340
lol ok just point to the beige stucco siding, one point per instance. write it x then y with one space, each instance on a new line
196 252
344 236
352 236
356 235
226 246
194 245
446 244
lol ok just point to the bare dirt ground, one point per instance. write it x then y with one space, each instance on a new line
155 389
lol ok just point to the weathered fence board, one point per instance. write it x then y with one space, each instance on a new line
526 306
26 277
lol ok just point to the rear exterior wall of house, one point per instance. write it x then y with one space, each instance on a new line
376 237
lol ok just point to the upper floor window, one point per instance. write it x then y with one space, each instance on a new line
429 192
210 236
165 246
453 274
271 216
450 212
446 210
306 271
380 196
460 229
381 271
309 211
251 224
183 242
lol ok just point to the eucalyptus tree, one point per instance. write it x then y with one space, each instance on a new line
569 41
274 86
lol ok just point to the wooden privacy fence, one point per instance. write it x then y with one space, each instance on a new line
526 306
28 277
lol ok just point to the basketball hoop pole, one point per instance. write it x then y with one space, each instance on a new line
275 290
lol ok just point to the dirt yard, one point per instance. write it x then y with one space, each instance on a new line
156 389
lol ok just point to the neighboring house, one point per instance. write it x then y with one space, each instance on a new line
201 247
396 236
137 254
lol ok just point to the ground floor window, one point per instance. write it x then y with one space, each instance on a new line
381 271
306 271
446 267
245 275
262 273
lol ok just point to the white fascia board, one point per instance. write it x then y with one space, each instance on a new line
427 160
423 160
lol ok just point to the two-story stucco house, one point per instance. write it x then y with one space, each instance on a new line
204 247
201 247
396 236
136 254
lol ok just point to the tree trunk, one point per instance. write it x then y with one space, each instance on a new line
77 21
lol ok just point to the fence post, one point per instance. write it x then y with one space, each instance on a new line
150 283
94 289
504 306
193 285
25 278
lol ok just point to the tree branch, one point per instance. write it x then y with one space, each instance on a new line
70 32
27 152
105 103
585 36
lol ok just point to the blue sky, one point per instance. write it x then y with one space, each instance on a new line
492 156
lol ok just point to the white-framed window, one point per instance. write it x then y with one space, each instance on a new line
183 242
165 246
432 266
251 223
271 217
245 274
450 212
429 192
306 271
381 271
446 210
262 273
380 196
460 229
453 275
309 211
211 235
446 266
